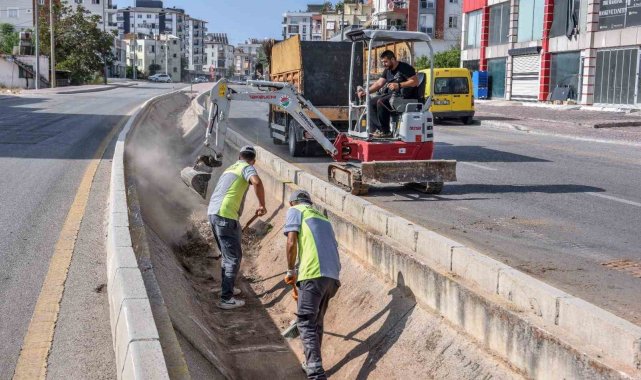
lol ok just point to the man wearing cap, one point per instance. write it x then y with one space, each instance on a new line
224 210
311 240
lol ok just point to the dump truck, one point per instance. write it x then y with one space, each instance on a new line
320 71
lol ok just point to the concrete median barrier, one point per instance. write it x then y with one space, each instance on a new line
535 329
538 329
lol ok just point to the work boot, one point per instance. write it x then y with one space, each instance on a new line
231 303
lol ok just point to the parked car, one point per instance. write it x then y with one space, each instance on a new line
453 94
200 80
165 78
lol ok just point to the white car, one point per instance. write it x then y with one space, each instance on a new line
165 78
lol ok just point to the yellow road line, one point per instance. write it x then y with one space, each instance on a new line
32 362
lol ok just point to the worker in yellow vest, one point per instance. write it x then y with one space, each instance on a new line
225 207
311 242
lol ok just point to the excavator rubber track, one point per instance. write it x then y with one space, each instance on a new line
347 177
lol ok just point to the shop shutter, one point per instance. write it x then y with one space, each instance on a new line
525 77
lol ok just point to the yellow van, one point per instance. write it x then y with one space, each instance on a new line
452 94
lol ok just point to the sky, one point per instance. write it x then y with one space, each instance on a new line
240 19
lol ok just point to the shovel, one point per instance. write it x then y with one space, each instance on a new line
250 221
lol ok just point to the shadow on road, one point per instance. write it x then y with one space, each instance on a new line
476 153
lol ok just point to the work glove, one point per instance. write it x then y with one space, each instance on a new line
290 277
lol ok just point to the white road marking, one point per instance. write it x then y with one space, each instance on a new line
615 199
477 165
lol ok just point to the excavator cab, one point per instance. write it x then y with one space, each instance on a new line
360 113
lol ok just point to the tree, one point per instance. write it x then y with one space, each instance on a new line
8 38
153 68
447 58
130 73
81 47
327 7
230 72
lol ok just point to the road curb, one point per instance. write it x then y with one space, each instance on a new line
135 336
524 321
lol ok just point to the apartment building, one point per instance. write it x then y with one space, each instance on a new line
440 19
195 44
219 55
351 16
162 50
580 49
298 23
246 56
18 13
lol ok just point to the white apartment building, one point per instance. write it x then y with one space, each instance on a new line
298 23
163 50
246 57
219 55
18 13
195 44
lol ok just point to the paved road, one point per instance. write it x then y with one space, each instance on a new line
46 142
554 207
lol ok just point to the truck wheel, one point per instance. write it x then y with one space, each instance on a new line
467 120
295 148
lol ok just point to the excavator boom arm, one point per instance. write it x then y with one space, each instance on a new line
282 95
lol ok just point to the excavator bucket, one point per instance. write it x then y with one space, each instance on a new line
197 177
196 180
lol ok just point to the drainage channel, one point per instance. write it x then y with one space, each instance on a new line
373 328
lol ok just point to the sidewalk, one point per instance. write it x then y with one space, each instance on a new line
81 89
570 121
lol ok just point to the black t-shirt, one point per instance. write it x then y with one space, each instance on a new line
402 73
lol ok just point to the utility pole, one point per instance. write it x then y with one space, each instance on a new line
104 29
343 23
135 49
37 12
52 77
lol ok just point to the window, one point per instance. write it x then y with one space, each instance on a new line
456 85
452 22
566 18
175 69
78 1
148 16
454 1
139 16
499 24
12 12
473 30
95 1
153 49
530 20
564 71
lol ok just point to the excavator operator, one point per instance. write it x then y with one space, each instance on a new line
398 79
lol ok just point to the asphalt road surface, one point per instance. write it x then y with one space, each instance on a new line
46 143
563 210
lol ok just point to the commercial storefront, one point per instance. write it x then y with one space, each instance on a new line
538 50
